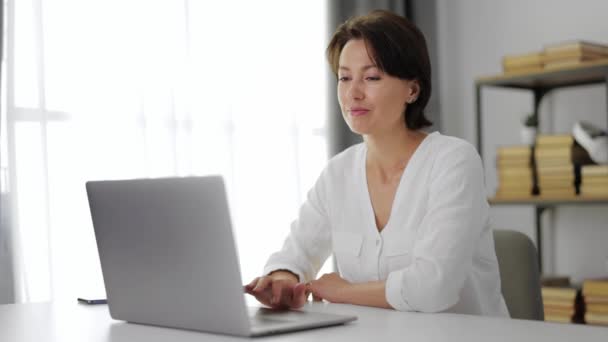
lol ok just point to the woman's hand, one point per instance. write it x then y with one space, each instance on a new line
331 287
279 290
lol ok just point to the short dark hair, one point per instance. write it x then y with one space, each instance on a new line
398 48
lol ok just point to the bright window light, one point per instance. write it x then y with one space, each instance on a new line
137 89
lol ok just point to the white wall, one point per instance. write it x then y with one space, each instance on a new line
473 37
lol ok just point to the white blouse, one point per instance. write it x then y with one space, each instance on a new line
436 252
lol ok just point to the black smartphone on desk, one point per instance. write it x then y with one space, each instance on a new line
92 301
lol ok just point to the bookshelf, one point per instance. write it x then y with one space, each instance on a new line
541 83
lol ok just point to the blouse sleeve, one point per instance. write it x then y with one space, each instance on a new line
308 244
447 238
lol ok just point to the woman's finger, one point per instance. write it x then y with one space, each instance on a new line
263 283
277 293
251 284
263 296
299 296
315 296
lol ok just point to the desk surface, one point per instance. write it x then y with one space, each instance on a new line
74 322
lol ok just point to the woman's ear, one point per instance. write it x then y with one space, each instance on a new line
414 91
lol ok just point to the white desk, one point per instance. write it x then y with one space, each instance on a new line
80 323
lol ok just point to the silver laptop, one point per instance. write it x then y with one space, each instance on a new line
168 258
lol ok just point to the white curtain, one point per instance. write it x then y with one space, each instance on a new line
108 89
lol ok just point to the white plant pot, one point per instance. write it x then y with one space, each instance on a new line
528 135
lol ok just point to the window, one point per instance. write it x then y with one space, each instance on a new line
127 89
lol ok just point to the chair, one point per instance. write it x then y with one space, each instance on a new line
519 275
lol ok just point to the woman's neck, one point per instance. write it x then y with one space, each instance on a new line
389 153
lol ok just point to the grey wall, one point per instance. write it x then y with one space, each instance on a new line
473 35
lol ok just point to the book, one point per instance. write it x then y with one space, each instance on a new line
529 59
554 139
571 62
558 193
596 299
561 155
565 179
594 170
562 186
559 304
514 162
506 194
554 152
555 182
595 181
516 186
552 162
580 55
515 172
597 308
595 187
576 45
556 169
500 194
512 184
565 293
556 177
593 191
522 151
557 318
560 312
563 303
572 57
595 287
596 318
522 70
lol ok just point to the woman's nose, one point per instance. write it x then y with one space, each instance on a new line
355 90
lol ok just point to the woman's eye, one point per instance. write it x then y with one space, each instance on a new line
343 78
373 78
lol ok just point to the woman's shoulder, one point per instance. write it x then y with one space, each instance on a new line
446 148
344 163
346 158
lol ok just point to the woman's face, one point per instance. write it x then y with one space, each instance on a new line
372 102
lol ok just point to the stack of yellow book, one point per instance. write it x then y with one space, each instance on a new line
554 167
528 62
573 53
594 180
595 292
514 165
561 304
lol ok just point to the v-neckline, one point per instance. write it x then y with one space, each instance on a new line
367 198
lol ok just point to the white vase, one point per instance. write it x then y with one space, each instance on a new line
528 135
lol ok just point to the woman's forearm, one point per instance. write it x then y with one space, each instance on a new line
368 294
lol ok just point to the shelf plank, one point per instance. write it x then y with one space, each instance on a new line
585 73
540 200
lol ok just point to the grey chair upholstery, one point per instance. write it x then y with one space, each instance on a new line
519 275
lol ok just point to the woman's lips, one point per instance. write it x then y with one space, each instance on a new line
358 111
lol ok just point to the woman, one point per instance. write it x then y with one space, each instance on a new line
404 212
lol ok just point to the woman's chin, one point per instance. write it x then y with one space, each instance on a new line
361 130
358 128
358 131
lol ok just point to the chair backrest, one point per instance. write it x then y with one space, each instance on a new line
519 275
